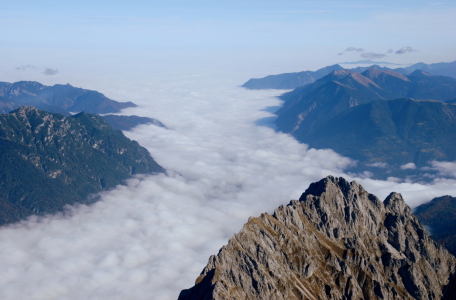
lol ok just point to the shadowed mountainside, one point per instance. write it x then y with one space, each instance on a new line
374 117
440 215
49 160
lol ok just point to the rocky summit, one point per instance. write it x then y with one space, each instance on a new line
336 242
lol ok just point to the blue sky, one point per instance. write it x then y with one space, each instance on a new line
255 37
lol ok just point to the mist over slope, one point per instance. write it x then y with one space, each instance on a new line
152 237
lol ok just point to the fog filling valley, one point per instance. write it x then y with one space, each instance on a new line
151 238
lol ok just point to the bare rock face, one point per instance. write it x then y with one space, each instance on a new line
337 242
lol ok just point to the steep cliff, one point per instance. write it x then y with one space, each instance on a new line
337 242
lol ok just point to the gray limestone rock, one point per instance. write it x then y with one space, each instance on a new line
337 242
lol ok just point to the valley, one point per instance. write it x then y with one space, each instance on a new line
145 231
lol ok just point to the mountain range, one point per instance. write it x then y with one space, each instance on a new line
297 79
376 117
48 161
67 100
336 242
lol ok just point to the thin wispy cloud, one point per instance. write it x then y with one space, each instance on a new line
50 72
350 49
372 55
378 165
405 50
25 67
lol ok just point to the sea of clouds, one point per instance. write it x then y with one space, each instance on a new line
150 238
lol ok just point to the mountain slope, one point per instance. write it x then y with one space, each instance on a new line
128 122
289 80
49 160
325 114
396 132
337 242
440 215
58 98
307 106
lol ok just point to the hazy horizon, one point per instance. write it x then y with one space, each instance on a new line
60 42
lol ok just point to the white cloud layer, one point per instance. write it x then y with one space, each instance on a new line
444 168
151 238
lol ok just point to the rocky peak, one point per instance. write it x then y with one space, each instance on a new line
336 75
343 72
395 204
25 111
338 207
21 88
337 242
359 78
375 73
420 73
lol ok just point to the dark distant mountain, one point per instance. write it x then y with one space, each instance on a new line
67 100
58 98
343 89
49 160
367 62
337 242
445 69
128 122
338 112
440 215
289 80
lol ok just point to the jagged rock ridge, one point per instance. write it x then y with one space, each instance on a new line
297 79
337 242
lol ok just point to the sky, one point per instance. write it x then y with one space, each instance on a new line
182 62
254 38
